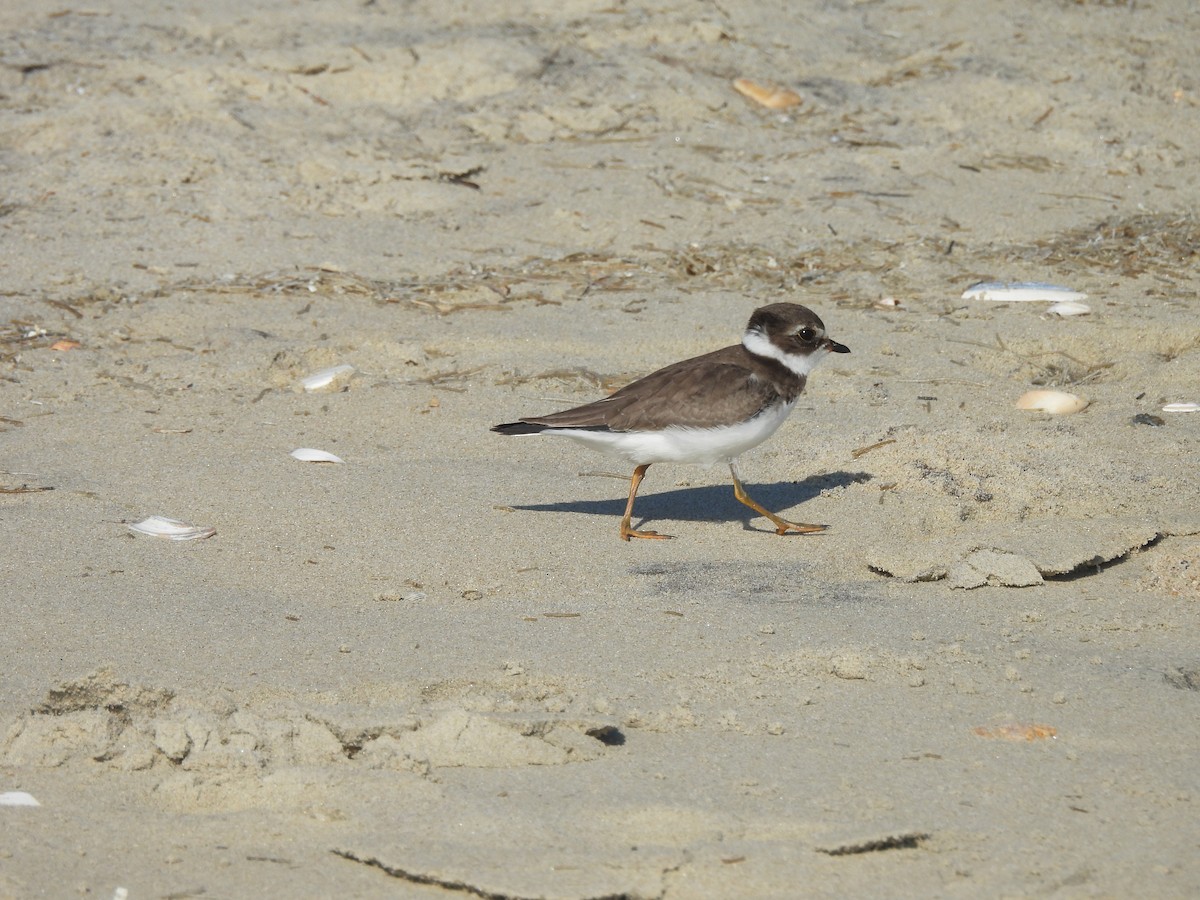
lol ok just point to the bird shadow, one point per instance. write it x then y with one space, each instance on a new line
707 503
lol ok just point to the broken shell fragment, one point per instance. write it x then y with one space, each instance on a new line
1068 308
308 454
1181 407
18 798
324 378
769 96
1021 292
1058 403
171 529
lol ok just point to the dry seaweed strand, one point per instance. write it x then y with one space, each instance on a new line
578 374
443 379
435 296
728 265
1133 245
1165 244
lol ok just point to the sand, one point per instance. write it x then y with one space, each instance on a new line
434 669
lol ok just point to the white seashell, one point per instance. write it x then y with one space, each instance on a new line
1057 403
18 798
324 378
171 529
1182 407
1068 308
308 454
1020 292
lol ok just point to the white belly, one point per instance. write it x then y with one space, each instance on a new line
689 445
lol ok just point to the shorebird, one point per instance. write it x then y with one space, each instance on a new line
707 409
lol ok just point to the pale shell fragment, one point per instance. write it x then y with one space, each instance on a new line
1068 308
770 97
1181 407
1057 403
171 529
308 454
18 798
1021 292
324 378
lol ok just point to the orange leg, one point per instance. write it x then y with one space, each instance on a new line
626 532
782 526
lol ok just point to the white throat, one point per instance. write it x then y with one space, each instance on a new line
760 345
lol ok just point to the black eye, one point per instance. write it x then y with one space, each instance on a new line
807 334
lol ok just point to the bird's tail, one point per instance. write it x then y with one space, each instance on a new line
518 428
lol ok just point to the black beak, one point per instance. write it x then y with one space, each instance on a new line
834 347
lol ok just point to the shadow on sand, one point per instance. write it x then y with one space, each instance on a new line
711 503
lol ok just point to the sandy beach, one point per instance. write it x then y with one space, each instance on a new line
433 669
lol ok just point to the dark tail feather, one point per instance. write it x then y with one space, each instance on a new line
518 428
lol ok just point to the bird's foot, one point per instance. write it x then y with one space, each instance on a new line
627 533
783 526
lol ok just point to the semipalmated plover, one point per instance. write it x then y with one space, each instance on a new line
708 409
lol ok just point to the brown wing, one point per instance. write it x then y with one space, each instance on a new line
703 392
